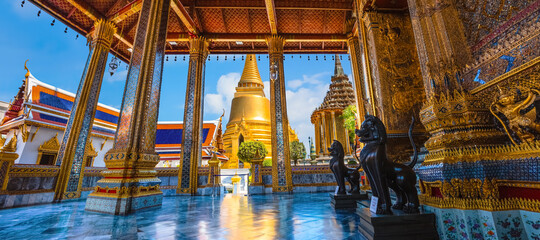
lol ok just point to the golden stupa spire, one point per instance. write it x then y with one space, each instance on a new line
251 72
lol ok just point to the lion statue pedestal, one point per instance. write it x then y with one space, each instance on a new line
340 198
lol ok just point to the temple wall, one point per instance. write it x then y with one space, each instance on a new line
29 150
34 184
480 224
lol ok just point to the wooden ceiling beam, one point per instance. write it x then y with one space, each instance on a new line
125 12
271 11
262 51
232 37
86 9
180 10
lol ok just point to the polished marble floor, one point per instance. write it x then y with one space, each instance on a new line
296 216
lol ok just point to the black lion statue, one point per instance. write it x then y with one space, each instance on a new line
383 173
342 172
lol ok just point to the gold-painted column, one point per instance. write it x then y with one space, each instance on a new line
281 162
8 156
334 129
355 52
317 134
193 117
440 43
324 134
71 154
130 183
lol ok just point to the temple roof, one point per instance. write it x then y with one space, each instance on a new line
233 26
340 93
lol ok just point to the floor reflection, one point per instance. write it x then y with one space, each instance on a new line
297 216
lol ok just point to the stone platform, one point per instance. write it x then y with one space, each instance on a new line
346 201
398 226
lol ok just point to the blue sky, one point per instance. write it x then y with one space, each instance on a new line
58 58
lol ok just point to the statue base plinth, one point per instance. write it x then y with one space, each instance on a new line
398 226
346 201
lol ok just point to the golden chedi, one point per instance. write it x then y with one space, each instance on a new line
249 119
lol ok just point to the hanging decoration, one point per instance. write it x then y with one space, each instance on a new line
113 65
39 13
184 59
52 23
175 58
65 30
167 58
22 3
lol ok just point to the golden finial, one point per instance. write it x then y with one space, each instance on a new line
11 146
26 68
222 115
251 71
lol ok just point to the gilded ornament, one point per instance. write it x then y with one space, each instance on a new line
519 114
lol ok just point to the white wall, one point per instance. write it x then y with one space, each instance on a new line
28 151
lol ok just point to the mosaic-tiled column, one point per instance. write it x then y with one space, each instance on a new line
130 183
71 154
256 165
355 52
193 117
281 163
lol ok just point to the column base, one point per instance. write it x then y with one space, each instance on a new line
282 189
121 205
122 198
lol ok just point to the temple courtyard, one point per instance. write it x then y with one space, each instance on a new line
295 216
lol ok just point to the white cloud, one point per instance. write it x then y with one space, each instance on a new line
314 79
303 96
216 102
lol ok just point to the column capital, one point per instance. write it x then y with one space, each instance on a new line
103 32
275 44
198 46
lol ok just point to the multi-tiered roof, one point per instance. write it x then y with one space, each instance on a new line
341 92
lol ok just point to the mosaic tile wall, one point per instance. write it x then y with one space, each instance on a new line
516 169
479 224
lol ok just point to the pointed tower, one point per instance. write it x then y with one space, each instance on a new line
249 118
327 118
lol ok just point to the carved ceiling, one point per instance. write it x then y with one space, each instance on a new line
233 26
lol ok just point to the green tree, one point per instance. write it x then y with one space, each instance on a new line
250 150
298 151
349 119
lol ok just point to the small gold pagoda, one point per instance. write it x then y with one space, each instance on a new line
249 119
329 125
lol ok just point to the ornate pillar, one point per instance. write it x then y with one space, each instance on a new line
441 44
394 81
71 154
213 171
355 52
317 134
281 162
8 156
334 129
193 118
130 183
324 134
